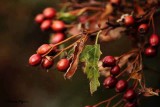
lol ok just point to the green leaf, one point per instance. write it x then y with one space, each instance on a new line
67 17
91 55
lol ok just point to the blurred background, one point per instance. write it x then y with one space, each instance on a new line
24 86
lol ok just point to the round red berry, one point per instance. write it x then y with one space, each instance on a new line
130 95
63 65
154 40
47 63
49 12
129 20
115 1
150 51
56 38
109 61
43 49
58 25
130 104
35 59
143 28
121 86
110 82
115 70
39 18
45 25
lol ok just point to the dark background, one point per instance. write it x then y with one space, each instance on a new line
25 86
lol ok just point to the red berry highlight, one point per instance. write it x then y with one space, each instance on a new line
109 61
150 51
49 12
115 1
130 95
154 40
143 28
35 59
47 63
39 18
58 25
43 49
56 38
115 70
129 104
63 65
110 82
121 86
45 25
129 20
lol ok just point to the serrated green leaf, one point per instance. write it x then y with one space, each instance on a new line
90 56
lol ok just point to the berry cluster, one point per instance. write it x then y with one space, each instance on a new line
120 85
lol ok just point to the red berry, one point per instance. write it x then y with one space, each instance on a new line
130 95
121 85
39 18
129 104
43 49
150 51
154 40
56 38
58 25
115 70
129 20
83 18
45 25
110 82
47 63
109 61
63 65
115 1
35 59
49 12
143 28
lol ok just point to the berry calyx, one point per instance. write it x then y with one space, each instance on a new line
57 37
49 12
39 18
150 51
63 65
35 59
45 25
130 104
109 61
58 25
43 49
154 40
121 85
129 95
47 63
110 82
143 28
115 70
129 20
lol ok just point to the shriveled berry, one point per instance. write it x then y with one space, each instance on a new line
49 12
130 95
143 28
115 1
39 18
58 25
129 20
45 25
35 59
109 61
150 51
43 49
47 63
63 65
56 38
130 104
121 86
110 82
115 70
154 40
